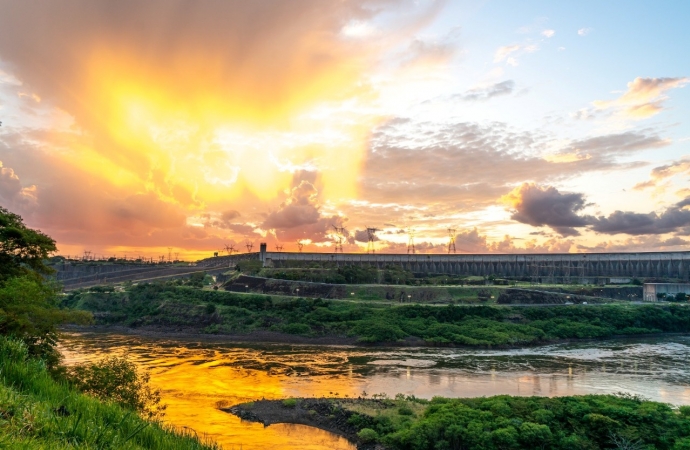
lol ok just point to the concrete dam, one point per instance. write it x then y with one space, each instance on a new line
556 266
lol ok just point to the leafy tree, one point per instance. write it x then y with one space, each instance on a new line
22 250
28 303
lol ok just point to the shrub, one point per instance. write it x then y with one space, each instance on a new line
367 435
290 402
118 380
405 411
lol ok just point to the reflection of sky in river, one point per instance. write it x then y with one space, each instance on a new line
195 375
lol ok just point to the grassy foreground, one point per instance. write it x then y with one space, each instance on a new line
168 307
36 412
503 422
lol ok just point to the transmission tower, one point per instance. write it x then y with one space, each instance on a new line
177 256
87 255
279 248
300 245
371 238
410 241
230 249
250 246
169 254
451 241
340 234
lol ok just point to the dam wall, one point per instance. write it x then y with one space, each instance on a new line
556 266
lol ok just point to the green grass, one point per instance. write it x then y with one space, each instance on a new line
37 413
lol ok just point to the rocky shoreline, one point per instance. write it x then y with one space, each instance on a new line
326 414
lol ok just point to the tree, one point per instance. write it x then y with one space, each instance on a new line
28 305
23 250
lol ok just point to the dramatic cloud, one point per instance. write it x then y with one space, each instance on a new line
485 93
546 206
203 104
644 97
299 217
671 219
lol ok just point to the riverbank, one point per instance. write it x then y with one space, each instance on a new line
260 318
499 422
272 337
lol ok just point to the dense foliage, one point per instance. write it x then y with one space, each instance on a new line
505 422
38 413
28 303
224 312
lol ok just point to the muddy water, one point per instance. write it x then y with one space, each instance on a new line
195 376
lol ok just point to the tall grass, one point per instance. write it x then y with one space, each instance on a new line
37 412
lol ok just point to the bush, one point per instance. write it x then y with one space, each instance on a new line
405 411
290 402
118 380
367 435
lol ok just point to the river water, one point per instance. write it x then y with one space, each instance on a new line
194 376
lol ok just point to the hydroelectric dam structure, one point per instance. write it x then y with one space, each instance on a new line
555 266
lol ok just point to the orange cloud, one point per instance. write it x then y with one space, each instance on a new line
644 97
181 110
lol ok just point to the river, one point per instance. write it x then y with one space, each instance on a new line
194 376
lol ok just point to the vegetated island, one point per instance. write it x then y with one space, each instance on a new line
168 307
487 423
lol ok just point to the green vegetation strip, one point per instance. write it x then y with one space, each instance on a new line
36 412
167 305
493 423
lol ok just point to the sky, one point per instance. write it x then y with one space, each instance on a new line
173 126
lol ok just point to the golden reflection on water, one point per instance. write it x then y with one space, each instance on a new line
193 377
192 384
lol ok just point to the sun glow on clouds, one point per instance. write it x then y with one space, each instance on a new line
196 127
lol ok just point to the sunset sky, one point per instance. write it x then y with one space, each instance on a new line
132 126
